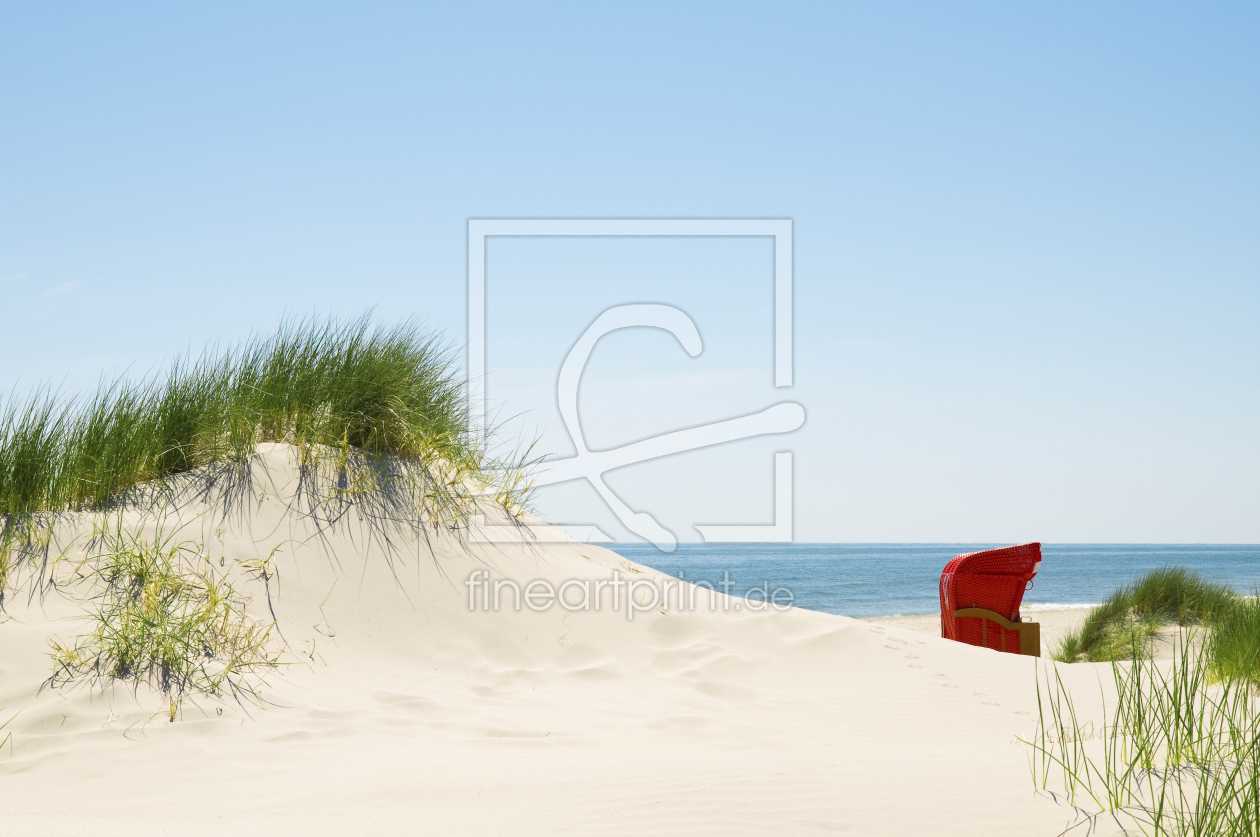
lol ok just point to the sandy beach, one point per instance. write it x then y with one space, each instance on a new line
337 335
1054 624
398 709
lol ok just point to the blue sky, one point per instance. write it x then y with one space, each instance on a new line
1027 236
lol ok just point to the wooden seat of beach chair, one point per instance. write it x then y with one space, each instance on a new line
980 597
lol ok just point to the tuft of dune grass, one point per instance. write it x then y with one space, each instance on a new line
352 396
1122 627
1175 594
318 384
378 390
1127 619
1234 643
164 615
1176 751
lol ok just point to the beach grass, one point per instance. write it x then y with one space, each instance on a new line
1233 646
348 389
1176 752
164 614
1125 623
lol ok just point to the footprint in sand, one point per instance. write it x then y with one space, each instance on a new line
912 656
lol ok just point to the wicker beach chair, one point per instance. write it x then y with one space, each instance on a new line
980 597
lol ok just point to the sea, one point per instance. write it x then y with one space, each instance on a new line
881 579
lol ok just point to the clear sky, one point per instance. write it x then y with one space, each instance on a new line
1026 236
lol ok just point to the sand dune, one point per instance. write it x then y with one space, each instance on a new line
401 711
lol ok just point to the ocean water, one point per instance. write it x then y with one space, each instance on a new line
862 580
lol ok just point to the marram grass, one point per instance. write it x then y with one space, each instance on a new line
1233 646
1123 625
165 615
348 387
1175 752
378 390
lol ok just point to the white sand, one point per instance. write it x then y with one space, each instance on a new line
402 712
1054 624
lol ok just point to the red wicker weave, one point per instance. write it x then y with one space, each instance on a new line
993 580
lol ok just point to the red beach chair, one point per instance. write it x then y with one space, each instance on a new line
980 597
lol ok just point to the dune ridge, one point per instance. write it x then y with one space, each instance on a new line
397 709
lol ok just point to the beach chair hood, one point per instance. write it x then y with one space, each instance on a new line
992 580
